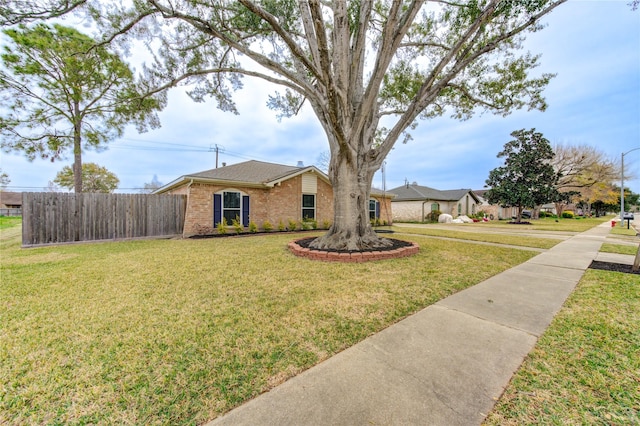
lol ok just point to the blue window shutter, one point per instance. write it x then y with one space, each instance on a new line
377 209
217 209
245 210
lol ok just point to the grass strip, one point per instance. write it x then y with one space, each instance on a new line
9 221
618 249
551 224
515 240
585 369
180 331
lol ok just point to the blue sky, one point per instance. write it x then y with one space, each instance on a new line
593 46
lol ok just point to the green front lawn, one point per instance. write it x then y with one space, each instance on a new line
585 369
180 331
618 249
551 224
462 234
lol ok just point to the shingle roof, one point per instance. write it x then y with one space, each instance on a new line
8 198
415 192
254 173
248 172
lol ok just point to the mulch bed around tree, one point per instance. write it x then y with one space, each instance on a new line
305 242
613 267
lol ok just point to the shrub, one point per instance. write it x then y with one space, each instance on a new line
222 227
568 214
253 228
267 226
433 215
237 225
281 226
293 225
326 224
308 223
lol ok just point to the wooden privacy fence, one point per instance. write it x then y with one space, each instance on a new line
54 217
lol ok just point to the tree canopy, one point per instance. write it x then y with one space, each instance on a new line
527 178
368 70
62 93
582 171
4 179
95 178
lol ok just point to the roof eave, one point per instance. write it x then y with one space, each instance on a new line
195 179
311 169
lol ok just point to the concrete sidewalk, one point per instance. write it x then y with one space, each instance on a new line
445 365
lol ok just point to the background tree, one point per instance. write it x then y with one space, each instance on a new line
369 70
4 179
62 93
527 178
95 178
151 186
323 161
51 187
578 168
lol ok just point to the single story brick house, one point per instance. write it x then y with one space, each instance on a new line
413 202
258 191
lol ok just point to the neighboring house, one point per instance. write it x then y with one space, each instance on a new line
257 191
10 203
495 211
414 202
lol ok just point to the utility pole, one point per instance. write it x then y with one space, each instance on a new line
217 150
622 186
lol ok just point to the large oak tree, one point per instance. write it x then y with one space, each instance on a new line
369 70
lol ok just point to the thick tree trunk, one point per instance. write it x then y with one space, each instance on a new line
351 228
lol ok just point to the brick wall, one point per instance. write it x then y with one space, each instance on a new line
283 202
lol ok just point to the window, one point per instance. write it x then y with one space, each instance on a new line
435 207
374 209
231 206
308 206
228 205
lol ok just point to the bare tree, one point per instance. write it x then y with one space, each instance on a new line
578 168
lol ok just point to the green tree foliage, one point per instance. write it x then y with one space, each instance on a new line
63 94
368 70
94 178
527 177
